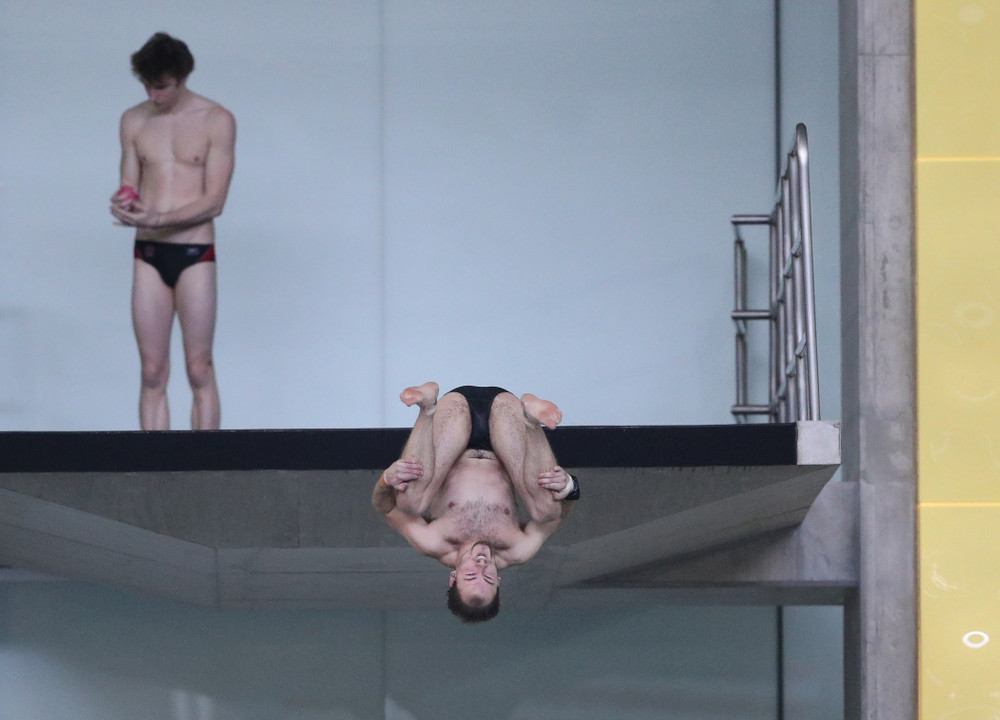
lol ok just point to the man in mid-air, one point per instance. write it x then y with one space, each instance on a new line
452 492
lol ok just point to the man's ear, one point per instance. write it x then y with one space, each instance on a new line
451 578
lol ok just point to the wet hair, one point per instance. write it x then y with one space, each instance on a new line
162 56
469 614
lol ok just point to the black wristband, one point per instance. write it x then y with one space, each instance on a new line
575 495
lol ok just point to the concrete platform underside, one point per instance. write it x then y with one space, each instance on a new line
736 514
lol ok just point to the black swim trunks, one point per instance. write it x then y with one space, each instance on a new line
171 259
480 401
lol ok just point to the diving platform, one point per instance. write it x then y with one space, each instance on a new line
282 519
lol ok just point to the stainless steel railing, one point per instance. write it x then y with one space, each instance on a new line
793 366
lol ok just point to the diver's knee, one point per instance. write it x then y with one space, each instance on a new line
155 372
200 372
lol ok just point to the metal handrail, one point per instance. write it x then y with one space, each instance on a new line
793 363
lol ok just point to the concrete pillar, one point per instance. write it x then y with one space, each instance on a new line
877 309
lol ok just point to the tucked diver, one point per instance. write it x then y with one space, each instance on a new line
452 492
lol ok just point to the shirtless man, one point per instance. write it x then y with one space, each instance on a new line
451 494
177 161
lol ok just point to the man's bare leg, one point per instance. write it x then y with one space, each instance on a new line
196 302
519 441
439 436
420 444
152 319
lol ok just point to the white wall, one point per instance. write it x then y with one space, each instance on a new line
298 247
534 194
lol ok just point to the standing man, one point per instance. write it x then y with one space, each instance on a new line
452 493
177 162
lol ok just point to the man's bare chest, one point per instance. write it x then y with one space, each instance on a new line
480 519
165 140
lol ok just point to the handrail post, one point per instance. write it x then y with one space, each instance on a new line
802 152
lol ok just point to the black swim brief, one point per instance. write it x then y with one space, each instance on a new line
480 401
171 259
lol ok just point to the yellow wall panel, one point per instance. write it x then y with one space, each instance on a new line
958 349
957 65
960 612
957 78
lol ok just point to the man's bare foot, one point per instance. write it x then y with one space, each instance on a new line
423 396
540 412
